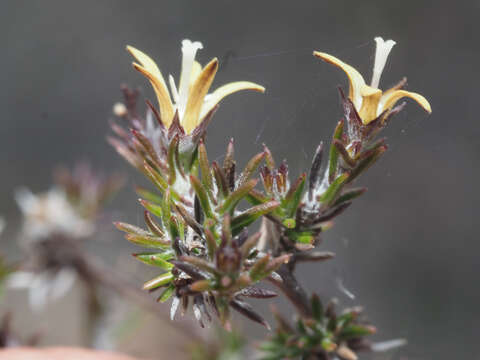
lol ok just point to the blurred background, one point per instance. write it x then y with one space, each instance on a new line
408 250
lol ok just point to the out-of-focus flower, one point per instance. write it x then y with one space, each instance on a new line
43 287
86 190
50 213
369 101
190 101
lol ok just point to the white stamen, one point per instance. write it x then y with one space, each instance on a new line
189 50
173 87
381 56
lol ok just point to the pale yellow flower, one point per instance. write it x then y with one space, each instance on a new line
369 101
191 99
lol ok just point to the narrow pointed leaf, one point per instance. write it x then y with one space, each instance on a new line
202 196
201 264
330 195
158 260
234 198
250 168
349 195
166 294
159 281
153 208
333 156
367 162
205 167
221 180
148 195
249 216
246 310
148 241
154 227
294 196
340 148
131 229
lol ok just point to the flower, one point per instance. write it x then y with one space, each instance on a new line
369 101
191 99
44 286
50 213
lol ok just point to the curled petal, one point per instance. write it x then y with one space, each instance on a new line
389 100
196 97
225 90
358 87
150 70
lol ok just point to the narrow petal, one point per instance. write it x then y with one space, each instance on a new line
381 55
200 88
225 90
356 81
196 70
389 100
150 70
147 62
189 51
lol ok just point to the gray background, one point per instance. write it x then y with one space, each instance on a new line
408 249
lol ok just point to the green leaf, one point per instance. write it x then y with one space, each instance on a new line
148 195
202 196
154 227
365 163
234 198
329 196
250 168
205 167
221 180
155 177
152 207
294 196
131 229
149 241
317 308
156 259
166 294
354 331
340 147
333 156
249 216
257 272
303 237
159 281
172 156
201 264
349 195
